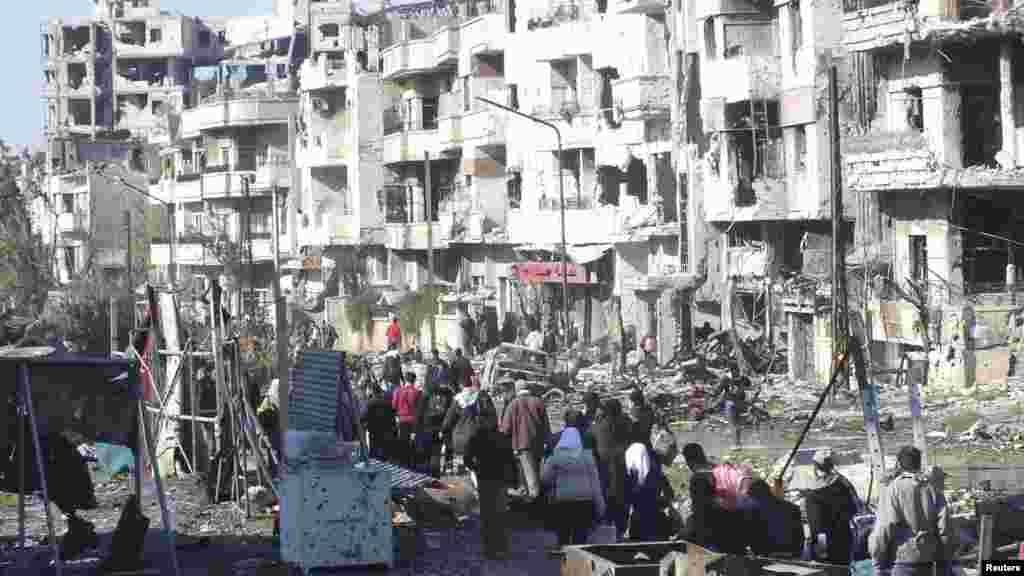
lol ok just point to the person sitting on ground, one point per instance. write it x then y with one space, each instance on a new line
830 507
571 480
647 493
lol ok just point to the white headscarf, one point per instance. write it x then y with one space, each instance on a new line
638 462
569 440
273 393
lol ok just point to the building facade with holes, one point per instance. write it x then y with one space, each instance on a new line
228 160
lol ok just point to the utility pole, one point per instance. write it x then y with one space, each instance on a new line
430 243
280 317
839 331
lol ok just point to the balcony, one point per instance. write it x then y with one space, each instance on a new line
194 253
485 34
323 73
749 261
194 187
643 97
328 145
417 57
543 227
236 112
150 50
72 223
413 236
637 7
409 146
742 77
875 27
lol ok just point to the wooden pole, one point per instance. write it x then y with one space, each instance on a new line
430 245
869 398
280 320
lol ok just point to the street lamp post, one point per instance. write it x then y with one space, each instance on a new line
561 205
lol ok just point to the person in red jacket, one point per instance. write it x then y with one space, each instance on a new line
405 402
394 333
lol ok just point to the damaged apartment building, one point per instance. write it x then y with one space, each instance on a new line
764 171
935 169
602 72
229 157
115 84
336 135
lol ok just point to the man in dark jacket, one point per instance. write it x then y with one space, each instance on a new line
471 409
460 371
591 404
488 455
433 406
526 422
831 506
642 416
611 439
379 422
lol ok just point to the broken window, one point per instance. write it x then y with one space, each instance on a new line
394 200
608 182
430 113
68 203
155 35
330 30
204 38
563 85
77 74
980 129
636 178
914 108
80 112
69 259
710 45
919 258
745 234
748 38
132 33
607 101
514 188
800 146
76 38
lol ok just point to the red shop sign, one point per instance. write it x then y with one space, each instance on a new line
539 272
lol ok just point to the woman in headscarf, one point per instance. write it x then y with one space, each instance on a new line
571 480
645 493
611 438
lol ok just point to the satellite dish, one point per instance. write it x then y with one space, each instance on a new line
27 352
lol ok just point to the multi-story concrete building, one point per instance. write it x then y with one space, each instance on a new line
230 157
600 72
934 165
115 83
337 134
764 171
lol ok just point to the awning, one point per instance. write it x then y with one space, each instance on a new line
587 254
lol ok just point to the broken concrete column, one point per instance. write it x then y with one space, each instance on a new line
1006 113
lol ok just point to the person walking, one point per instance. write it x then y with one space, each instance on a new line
647 492
379 422
591 405
912 528
571 479
830 507
431 409
461 370
489 456
471 409
526 422
611 438
642 417
393 336
405 403
393 367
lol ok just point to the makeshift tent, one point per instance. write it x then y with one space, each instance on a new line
96 397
